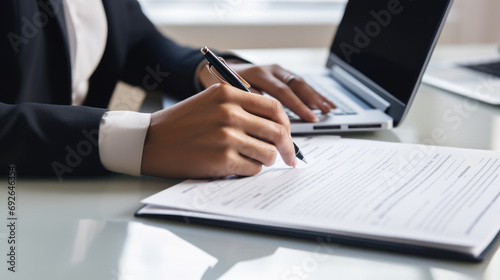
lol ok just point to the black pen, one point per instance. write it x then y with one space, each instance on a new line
235 80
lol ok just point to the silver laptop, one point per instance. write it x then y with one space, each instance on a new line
474 75
376 62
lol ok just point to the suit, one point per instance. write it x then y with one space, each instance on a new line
40 131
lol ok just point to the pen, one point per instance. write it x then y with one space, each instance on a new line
235 80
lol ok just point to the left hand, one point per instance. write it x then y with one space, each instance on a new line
291 90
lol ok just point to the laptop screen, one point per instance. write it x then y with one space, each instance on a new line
388 42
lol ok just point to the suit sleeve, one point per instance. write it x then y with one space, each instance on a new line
171 67
50 140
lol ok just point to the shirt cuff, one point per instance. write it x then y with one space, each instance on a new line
121 141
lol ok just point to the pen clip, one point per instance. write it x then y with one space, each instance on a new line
222 80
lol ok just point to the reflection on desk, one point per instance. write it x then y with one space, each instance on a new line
85 229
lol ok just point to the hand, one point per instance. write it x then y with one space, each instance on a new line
294 93
219 132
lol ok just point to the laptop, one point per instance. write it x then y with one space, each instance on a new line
375 65
473 75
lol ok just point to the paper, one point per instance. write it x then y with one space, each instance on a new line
434 195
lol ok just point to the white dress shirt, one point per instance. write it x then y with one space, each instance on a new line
121 133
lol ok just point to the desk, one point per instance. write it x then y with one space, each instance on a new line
84 228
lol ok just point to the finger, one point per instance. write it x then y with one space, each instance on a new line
330 103
256 91
263 107
246 167
293 98
267 82
233 163
258 150
310 96
304 91
263 118
324 104
272 132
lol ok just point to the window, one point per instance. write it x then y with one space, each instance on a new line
243 12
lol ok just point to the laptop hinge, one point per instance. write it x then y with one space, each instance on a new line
359 89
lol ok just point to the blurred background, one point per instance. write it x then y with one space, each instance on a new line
233 24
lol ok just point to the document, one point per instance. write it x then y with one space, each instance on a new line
435 197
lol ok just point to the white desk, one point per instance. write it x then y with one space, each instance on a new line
85 229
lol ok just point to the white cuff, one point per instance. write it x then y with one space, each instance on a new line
121 141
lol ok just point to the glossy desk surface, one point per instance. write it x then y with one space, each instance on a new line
84 228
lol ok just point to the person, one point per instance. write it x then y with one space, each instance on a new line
61 60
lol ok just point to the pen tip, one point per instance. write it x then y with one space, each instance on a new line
204 50
304 160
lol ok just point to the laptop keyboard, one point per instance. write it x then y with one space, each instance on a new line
330 93
492 68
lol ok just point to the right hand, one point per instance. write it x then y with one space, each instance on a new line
219 132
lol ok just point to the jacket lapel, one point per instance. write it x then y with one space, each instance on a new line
63 95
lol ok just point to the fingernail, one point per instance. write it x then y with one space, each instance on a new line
312 117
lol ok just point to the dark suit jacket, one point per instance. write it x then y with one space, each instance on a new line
39 131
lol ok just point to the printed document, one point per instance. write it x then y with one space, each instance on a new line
438 197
